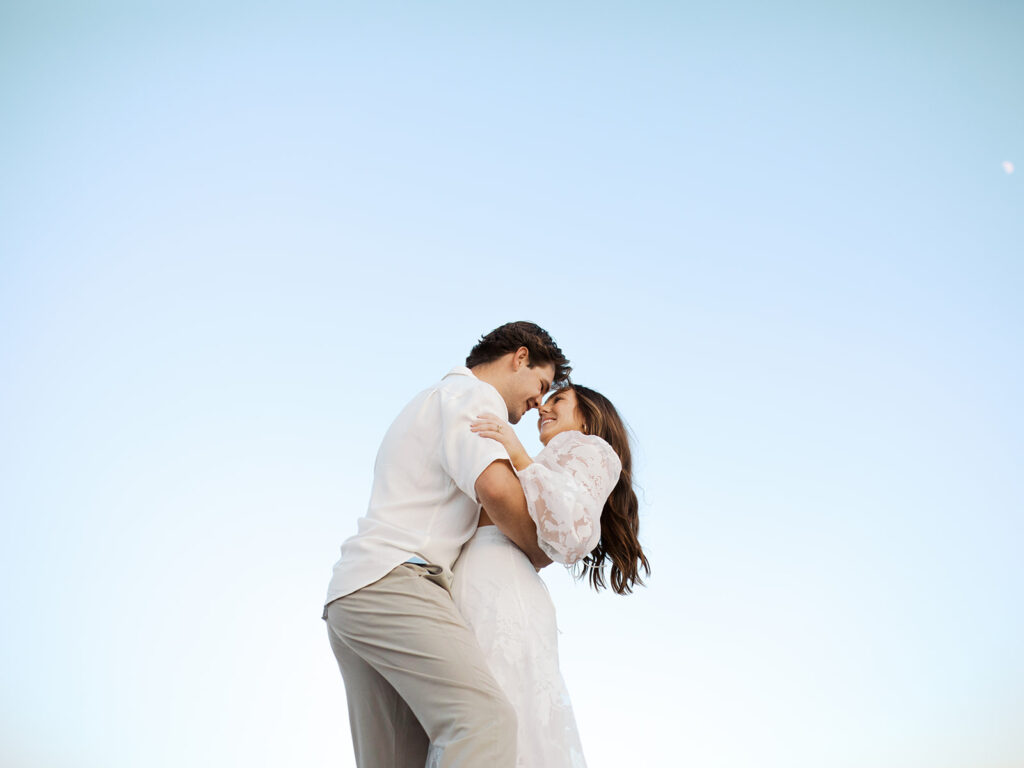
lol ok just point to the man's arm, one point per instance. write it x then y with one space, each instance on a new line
499 490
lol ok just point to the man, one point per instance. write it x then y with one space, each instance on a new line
413 671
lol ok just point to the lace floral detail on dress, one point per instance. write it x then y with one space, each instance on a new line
566 487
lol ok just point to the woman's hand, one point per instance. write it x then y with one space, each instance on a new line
496 428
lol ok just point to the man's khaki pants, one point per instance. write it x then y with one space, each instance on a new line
415 675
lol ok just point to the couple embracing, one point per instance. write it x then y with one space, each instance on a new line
443 630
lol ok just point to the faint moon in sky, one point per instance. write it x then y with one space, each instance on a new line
1007 166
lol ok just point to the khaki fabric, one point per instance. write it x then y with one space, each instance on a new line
414 675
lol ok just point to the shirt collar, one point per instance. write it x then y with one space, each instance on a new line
461 370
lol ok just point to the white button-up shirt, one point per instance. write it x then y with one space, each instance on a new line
423 502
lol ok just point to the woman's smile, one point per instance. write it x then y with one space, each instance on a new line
558 414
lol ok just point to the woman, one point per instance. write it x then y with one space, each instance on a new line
579 493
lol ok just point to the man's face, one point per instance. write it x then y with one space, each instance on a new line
527 388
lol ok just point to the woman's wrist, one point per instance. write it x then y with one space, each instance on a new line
521 460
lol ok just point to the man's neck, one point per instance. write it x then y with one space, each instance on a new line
486 373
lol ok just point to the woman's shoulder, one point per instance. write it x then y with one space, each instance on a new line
575 451
569 439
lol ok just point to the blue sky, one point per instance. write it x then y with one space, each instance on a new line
235 239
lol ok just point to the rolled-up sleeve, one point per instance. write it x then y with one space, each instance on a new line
465 455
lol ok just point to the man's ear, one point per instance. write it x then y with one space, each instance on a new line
521 358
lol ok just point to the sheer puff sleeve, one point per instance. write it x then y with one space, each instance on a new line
566 487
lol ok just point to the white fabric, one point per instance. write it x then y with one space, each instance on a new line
566 487
507 605
423 502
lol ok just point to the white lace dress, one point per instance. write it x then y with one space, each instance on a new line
507 605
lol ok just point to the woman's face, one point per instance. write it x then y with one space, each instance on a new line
558 414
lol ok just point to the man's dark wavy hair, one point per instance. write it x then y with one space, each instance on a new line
510 337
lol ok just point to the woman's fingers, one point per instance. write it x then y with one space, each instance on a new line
494 424
490 425
489 430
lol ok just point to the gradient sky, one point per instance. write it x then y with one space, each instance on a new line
236 238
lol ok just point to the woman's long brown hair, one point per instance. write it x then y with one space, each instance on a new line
619 546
